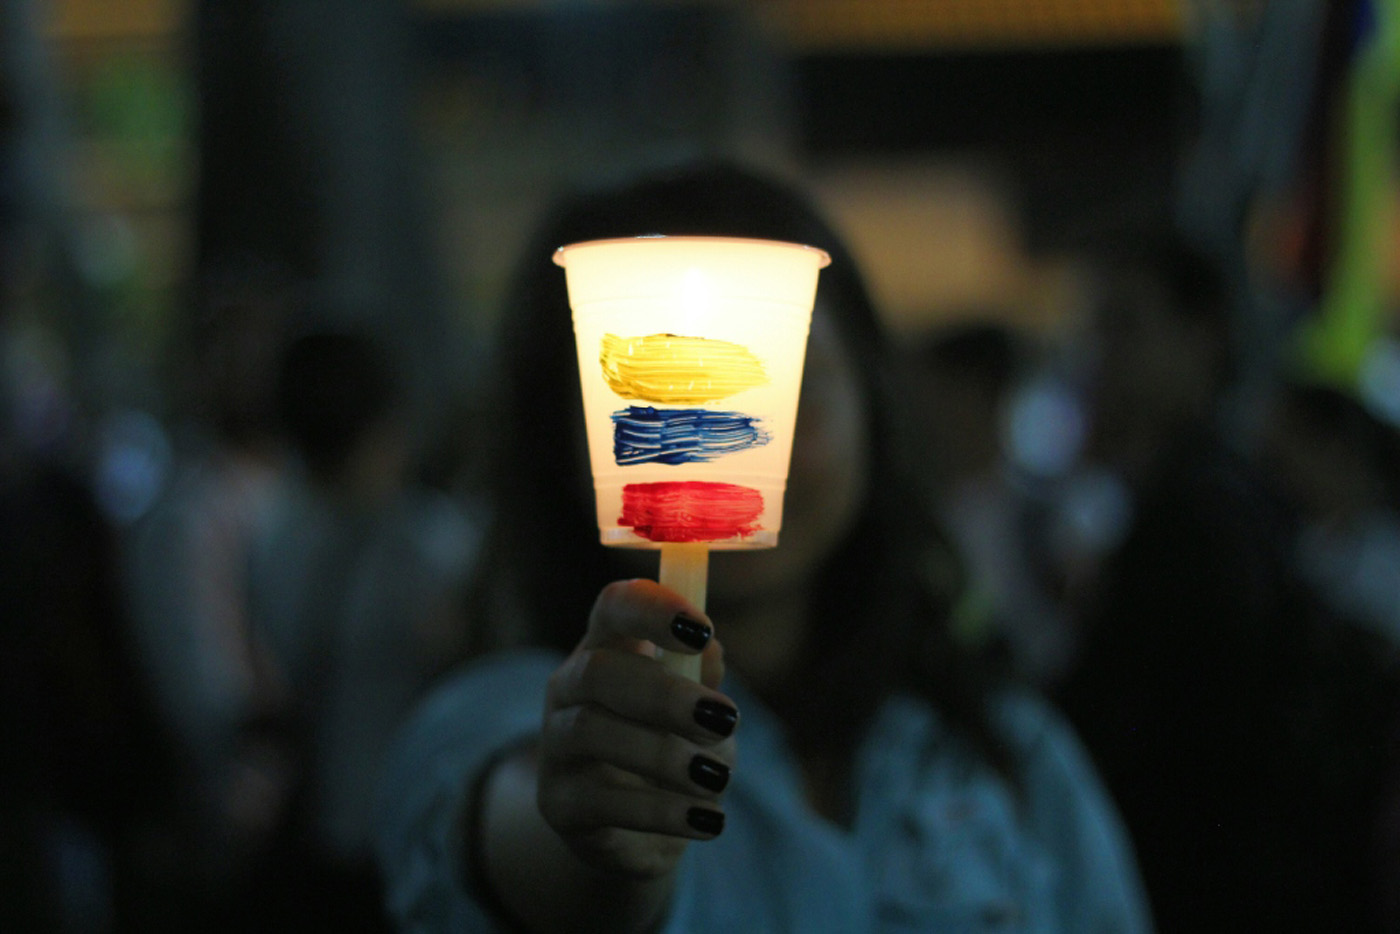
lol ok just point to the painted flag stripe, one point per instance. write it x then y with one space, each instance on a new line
690 511
646 435
670 369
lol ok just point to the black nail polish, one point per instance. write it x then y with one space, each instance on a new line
705 820
709 774
716 717
690 631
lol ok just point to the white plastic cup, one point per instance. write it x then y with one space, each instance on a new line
703 339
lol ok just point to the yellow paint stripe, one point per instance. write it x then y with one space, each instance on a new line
672 370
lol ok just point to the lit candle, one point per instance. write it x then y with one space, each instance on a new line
690 358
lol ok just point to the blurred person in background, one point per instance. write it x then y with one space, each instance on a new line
186 562
965 376
1339 464
1244 734
883 781
355 586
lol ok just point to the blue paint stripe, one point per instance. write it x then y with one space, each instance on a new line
646 435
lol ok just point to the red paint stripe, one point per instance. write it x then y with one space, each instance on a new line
690 511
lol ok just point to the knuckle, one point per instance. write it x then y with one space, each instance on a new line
562 727
658 811
622 606
553 800
556 685
669 756
589 674
564 682
671 694
582 729
608 599
611 590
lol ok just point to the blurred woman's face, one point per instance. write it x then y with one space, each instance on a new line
826 482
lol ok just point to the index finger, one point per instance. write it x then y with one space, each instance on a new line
643 610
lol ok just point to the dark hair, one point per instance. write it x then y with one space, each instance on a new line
332 387
886 597
1192 282
1191 278
984 352
222 357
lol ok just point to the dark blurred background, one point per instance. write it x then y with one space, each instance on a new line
187 187
964 144
407 146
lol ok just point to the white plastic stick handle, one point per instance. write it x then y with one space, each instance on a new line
685 569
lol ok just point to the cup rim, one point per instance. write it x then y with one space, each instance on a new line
560 253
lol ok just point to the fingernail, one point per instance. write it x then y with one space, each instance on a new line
716 717
690 631
709 774
705 820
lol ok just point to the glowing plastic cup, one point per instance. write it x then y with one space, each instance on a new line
690 358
